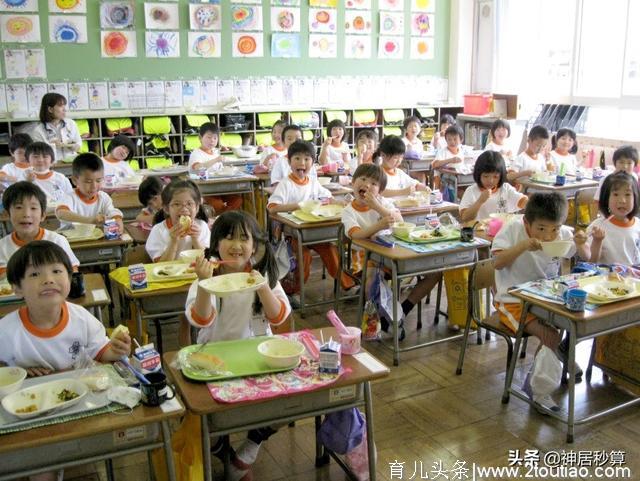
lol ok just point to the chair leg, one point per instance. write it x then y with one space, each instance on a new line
156 324
436 318
419 324
589 370
510 350
479 336
523 350
467 328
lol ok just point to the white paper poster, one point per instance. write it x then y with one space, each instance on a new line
162 44
60 88
320 91
155 94
288 87
190 94
204 16
274 87
242 90
98 96
390 47
35 92
208 93
323 45
137 95
225 91
78 98
15 65
173 94
204 44
68 6
357 46
35 62
118 95
259 91
118 43
422 48
17 99
3 99
247 44
305 91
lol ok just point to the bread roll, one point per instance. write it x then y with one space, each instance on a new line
208 362
185 222
119 328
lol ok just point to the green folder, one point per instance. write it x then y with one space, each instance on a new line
156 125
267 119
393 115
426 112
118 123
191 142
308 135
301 118
83 126
196 121
158 162
364 117
263 138
335 115
230 140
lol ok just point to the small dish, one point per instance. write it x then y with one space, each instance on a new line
556 248
228 284
281 353
11 379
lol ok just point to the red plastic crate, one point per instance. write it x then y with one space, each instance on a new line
477 104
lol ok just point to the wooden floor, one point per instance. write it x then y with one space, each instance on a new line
425 414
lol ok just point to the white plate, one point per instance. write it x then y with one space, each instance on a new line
44 397
74 235
329 211
228 284
170 170
604 291
171 271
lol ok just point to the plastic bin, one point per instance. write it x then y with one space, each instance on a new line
477 104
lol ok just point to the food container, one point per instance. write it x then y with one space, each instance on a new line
83 230
351 342
245 151
556 248
324 180
110 229
11 378
280 352
477 104
402 229
190 255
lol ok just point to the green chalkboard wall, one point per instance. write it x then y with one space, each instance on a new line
84 61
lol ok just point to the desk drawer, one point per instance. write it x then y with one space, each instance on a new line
437 261
285 406
87 256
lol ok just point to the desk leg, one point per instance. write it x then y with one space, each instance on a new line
395 320
514 358
300 270
572 382
363 286
206 448
168 451
368 414
138 305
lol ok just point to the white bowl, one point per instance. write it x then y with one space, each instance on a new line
83 230
244 151
556 248
190 255
323 180
280 353
11 378
309 206
402 229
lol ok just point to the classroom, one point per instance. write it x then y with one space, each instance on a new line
289 240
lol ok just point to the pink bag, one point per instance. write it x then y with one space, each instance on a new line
358 459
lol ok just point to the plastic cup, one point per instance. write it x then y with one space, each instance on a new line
351 342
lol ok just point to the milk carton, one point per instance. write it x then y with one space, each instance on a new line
137 276
146 359
330 357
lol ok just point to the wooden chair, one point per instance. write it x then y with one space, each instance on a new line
584 198
482 277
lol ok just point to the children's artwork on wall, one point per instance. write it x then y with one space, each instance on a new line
20 28
162 44
285 19
285 45
173 93
323 45
358 4
17 98
423 6
391 23
286 3
247 44
35 92
246 17
78 98
61 88
390 47
68 29
357 46
98 96
18 6
422 24
422 48
357 21
322 20
68 6
161 16
114 15
324 3
15 64
395 5
118 44
204 16
118 95
204 44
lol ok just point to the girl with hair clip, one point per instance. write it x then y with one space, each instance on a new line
499 132
236 239
333 148
564 146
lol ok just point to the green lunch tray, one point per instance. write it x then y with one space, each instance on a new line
455 235
241 359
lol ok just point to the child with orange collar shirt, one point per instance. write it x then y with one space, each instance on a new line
17 169
299 187
391 151
87 203
53 184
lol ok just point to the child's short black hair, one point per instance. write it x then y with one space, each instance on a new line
391 145
301 147
122 140
613 182
410 119
208 127
374 172
446 119
289 127
87 161
22 190
552 207
497 124
489 162
454 130
538 132
39 148
626 152
35 253
336 123
368 134
50 100
561 133
19 141
150 187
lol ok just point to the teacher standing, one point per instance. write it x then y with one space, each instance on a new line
55 129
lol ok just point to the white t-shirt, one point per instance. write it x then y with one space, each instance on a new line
530 265
54 185
294 191
25 345
15 170
596 196
398 179
159 238
415 146
355 217
10 244
493 147
119 168
99 204
281 170
524 162
440 143
621 244
445 154
234 318
200 155
506 199
334 154
570 162
272 150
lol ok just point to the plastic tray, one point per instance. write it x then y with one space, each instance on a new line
241 359
454 235
181 267
306 217
72 235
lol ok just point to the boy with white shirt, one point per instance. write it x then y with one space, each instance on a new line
18 167
87 203
281 168
392 151
53 184
532 160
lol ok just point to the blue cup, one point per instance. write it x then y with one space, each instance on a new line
575 299
560 179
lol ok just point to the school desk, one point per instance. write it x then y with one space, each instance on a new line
456 179
352 389
418 166
173 171
127 201
238 184
93 439
137 233
580 326
418 215
101 252
65 168
240 162
307 234
96 296
568 190
403 263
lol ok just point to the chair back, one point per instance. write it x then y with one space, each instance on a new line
482 277
584 197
